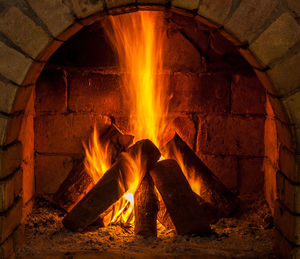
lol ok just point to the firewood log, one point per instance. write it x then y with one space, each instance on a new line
118 142
146 208
164 218
186 214
212 190
79 182
114 183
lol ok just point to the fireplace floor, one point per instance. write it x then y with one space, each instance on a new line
247 235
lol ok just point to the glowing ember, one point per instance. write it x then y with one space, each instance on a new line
138 42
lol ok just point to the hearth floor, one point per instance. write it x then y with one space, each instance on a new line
243 236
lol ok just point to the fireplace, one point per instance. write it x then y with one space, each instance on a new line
222 105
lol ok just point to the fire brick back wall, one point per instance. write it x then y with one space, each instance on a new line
218 104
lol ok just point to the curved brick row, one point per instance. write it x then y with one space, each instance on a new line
35 29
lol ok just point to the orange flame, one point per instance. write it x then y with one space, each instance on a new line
139 44
189 173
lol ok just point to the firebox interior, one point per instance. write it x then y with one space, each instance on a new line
217 106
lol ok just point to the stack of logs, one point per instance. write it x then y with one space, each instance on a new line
178 207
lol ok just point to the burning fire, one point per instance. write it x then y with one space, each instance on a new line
138 39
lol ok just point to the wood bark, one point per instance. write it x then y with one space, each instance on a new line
186 214
212 190
79 182
114 183
145 208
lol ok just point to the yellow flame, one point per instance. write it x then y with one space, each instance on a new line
97 160
124 213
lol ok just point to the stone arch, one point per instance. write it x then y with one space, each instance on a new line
266 33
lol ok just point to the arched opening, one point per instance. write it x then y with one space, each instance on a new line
278 149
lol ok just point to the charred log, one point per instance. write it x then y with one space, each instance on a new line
186 214
212 190
114 183
145 208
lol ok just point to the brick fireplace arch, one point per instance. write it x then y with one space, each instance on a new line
266 33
